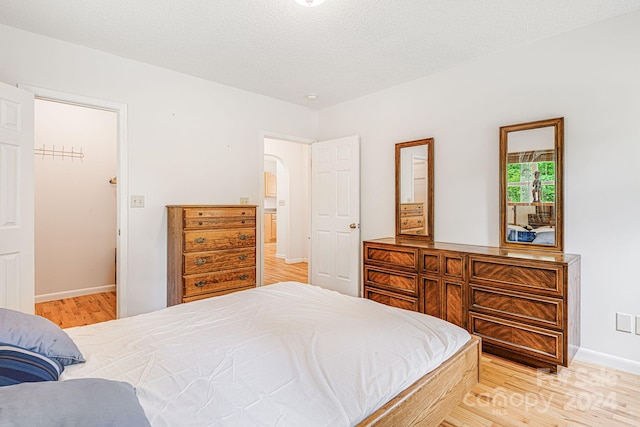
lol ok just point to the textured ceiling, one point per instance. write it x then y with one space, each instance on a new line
340 50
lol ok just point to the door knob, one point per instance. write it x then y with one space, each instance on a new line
352 225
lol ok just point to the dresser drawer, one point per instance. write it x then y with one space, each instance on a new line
411 209
213 212
204 262
544 278
546 312
538 343
212 282
391 299
206 240
412 222
219 217
391 256
392 280
214 294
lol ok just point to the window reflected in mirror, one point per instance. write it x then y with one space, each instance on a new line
531 184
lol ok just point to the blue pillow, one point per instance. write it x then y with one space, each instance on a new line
18 365
38 334
84 402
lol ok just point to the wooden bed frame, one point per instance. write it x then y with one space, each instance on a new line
430 399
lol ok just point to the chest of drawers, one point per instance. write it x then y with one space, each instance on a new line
524 304
211 250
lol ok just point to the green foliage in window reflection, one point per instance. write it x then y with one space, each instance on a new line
549 193
547 171
513 193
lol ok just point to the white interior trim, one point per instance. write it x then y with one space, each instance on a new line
74 293
121 172
615 362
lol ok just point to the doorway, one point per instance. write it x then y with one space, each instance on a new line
119 255
75 169
286 211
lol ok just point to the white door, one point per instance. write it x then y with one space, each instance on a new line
16 199
335 215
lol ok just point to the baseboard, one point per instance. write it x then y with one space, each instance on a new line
291 260
74 293
608 360
295 260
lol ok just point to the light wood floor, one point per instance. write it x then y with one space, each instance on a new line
508 395
276 270
79 311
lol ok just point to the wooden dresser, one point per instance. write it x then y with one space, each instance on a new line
211 250
525 305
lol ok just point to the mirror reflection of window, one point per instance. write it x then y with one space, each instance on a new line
531 182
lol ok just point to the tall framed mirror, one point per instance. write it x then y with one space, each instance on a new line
414 190
531 185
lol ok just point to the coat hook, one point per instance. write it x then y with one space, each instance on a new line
113 180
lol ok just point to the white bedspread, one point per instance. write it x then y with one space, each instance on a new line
282 355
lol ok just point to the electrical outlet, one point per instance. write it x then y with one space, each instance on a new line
137 202
637 325
623 322
244 200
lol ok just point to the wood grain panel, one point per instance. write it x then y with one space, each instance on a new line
453 265
207 240
518 337
539 310
432 296
453 305
393 280
391 256
430 262
540 278
204 262
213 282
392 299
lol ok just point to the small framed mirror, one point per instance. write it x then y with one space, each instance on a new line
531 185
414 190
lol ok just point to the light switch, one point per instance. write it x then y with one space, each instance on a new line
244 200
623 322
137 202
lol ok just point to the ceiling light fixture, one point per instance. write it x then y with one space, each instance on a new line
309 3
311 96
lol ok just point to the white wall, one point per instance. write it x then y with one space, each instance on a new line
190 140
293 189
590 77
75 206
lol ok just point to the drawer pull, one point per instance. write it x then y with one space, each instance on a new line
243 221
405 223
243 212
243 257
200 213
200 261
200 223
243 276
200 283
243 236
200 240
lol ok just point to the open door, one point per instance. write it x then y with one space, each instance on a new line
16 199
335 215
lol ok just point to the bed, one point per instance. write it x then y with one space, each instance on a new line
288 354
